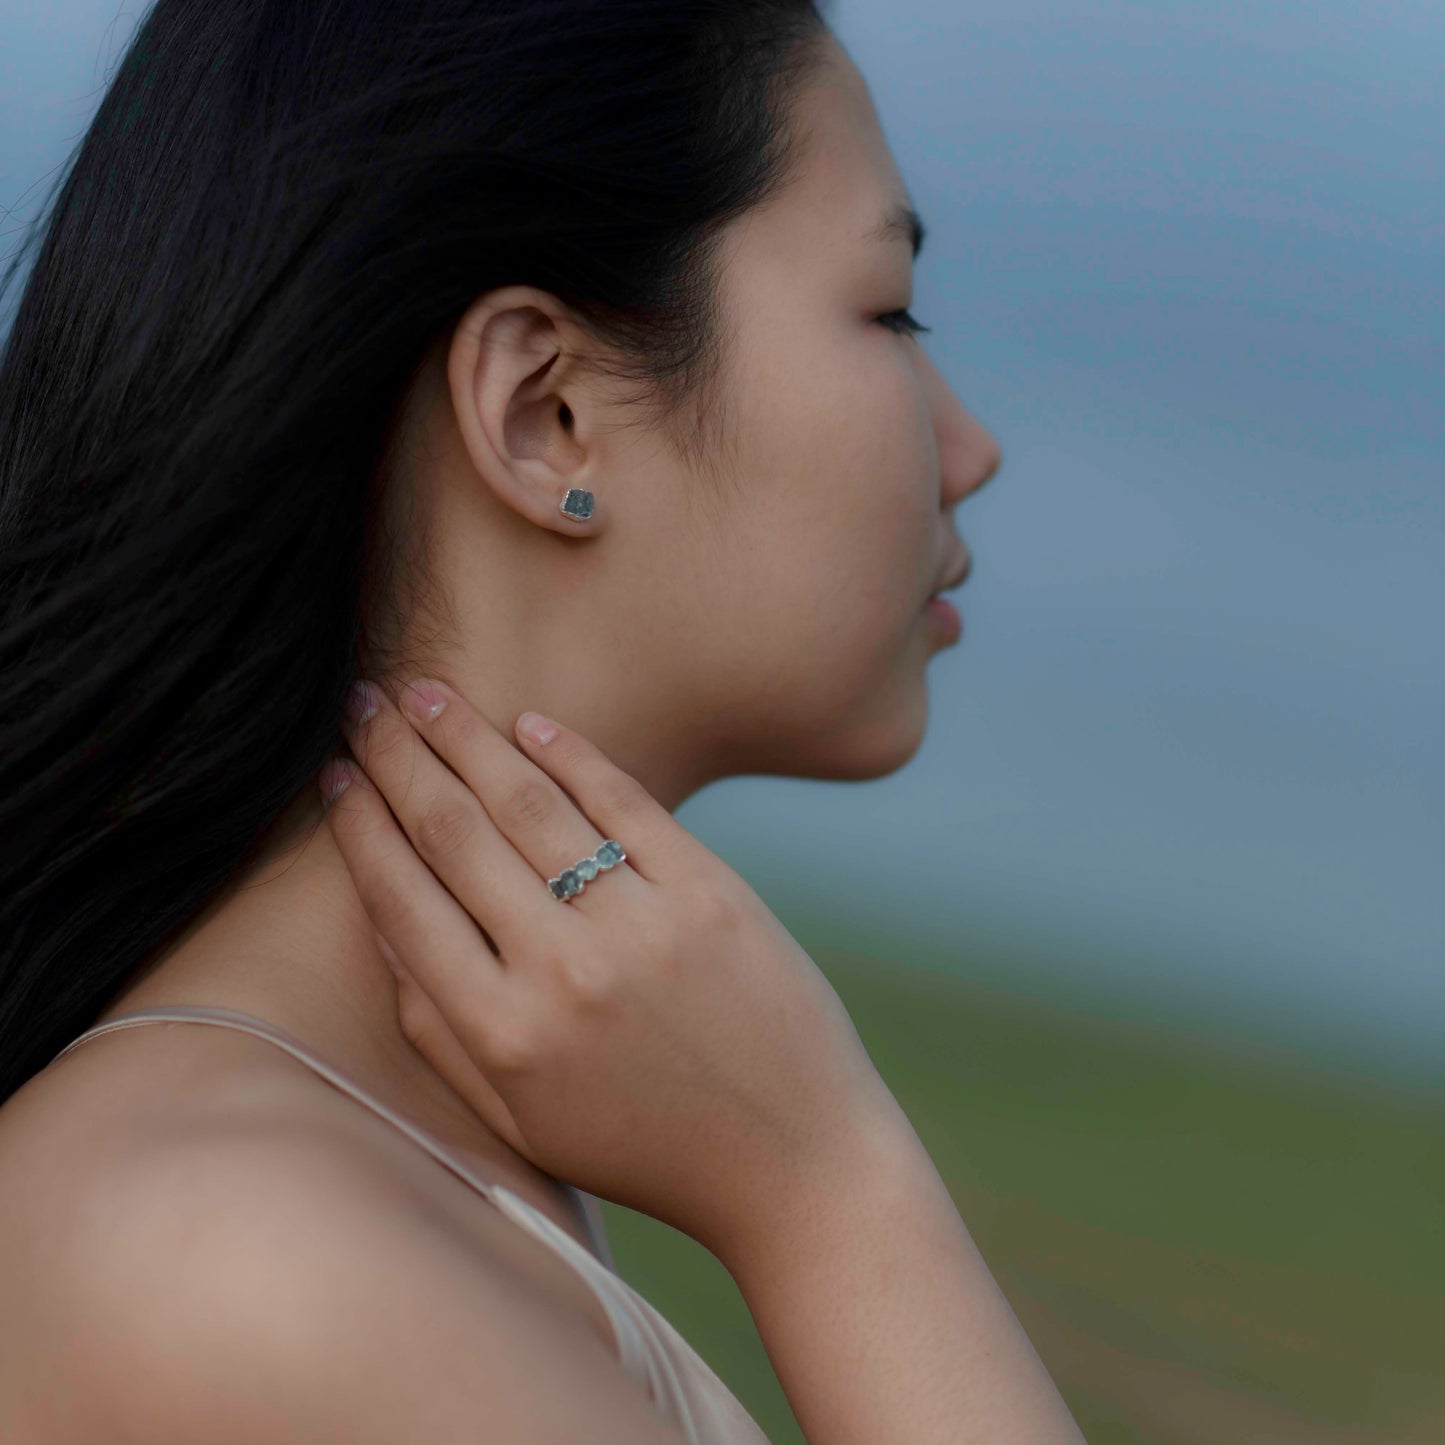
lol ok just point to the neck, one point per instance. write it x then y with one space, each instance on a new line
291 943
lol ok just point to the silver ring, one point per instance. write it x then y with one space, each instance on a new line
571 881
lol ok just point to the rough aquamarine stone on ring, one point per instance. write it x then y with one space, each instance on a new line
571 881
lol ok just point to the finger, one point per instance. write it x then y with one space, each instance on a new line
429 1033
533 812
434 937
580 781
450 829
662 850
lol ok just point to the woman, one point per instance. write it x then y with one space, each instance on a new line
553 357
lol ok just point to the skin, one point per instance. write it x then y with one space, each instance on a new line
768 619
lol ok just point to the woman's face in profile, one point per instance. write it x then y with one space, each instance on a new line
763 613
792 601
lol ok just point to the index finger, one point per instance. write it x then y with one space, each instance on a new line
438 940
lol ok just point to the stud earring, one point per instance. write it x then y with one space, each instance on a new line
577 504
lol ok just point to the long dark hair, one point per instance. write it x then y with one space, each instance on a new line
278 207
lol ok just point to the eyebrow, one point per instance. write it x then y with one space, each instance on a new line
901 220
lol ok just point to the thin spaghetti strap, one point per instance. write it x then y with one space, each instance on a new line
246 1023
600 1278
650 1350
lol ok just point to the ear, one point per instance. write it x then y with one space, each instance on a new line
513 377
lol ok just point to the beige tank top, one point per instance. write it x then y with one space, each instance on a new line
670 1372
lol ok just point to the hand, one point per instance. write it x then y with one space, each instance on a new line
660 1039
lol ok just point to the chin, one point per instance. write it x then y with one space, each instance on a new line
872 746
851 719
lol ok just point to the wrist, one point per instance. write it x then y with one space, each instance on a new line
830 1193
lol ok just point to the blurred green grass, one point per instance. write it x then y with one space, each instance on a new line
1206 1243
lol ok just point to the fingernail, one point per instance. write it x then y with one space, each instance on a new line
536 727
360 702
333 777
422 701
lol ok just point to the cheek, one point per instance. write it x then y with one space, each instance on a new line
851 423
845 527
879 494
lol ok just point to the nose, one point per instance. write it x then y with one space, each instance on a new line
968 452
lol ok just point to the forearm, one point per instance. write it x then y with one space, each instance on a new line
880 1316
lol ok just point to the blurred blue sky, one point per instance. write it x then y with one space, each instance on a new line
1187 262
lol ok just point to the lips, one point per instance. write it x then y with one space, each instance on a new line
956 575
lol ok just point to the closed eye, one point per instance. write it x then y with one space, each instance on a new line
903 323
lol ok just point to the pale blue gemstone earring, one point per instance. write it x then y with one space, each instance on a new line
577 504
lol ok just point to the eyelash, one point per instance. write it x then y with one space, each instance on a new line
903 323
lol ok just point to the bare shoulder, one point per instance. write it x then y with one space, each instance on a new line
252 1283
